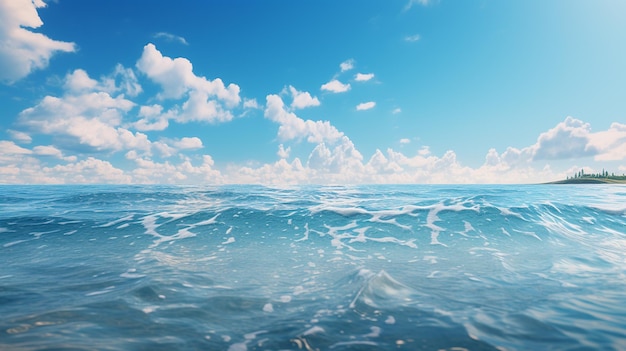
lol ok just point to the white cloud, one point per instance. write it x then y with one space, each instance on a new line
206 99
48 151
251 104
572 139
302 99
163 148
363 77
10 148
189 143
79 81
21 50
611 144
153 118
336 86
365 106
170 37
282 152
90 170
405 141
396 111
86 118
281 172
341 164
20 136
151 172
412 38
122 80
347 65
293 127
424 151
569 139
91 119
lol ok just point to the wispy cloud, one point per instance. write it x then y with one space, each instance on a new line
365 106
170 37
347 65
20 136
396 110
416 2
412 38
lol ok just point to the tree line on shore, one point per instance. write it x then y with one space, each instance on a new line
604 174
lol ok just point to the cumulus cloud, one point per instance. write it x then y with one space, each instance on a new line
90 170
347 65
365 106
207 100
611 144
47 151
280 172
27 169
148 171
340 163
22 50
282 152
170 37
363 77
91 119
152 118
293 127
188 143
302 99
405 141
10 148
335 86
569 139
122 80
79 80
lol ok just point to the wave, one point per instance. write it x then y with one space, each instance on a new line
416 267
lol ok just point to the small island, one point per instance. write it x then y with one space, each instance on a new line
597 178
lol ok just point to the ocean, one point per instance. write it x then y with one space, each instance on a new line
414 267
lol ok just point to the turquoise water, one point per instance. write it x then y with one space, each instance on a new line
313 268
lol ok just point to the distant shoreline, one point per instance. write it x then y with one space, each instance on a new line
589 180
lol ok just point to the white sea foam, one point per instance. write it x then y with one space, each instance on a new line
117 221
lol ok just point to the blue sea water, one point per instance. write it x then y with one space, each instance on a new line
534 267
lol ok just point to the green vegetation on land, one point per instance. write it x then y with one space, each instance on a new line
597 178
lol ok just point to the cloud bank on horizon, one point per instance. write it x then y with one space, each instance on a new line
157 119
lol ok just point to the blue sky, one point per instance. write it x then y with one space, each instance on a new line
284 92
